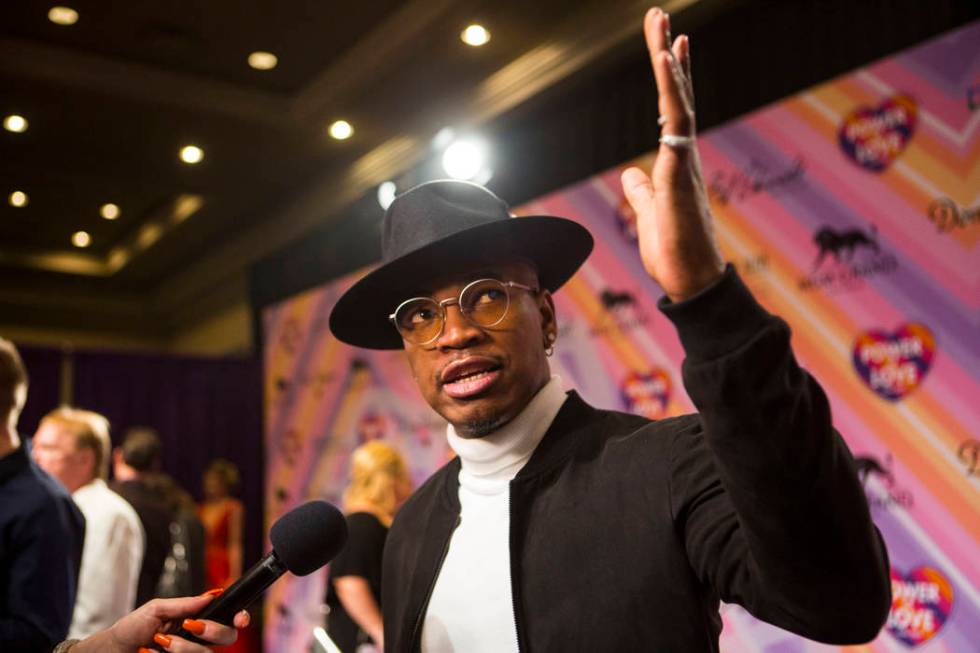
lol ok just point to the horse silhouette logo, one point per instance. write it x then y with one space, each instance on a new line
842 244
869 465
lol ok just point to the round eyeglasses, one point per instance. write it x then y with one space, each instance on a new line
484 302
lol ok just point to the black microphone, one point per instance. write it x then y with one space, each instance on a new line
303 540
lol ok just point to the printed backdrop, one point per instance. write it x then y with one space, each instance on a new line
851 210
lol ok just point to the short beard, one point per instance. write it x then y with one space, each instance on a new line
480 428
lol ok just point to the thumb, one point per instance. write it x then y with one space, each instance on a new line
638 189
170 609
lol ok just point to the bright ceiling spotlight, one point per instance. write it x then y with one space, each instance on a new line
81 239
386 194
63 15
15 123
18 199
261 60
109 211
464 159
475 35
191 154
341 130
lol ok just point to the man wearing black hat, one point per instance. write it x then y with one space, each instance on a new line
561 527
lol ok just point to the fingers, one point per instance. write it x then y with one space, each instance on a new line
638 189
671 68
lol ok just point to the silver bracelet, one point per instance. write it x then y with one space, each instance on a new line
65 646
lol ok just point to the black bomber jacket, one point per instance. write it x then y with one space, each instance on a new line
625 533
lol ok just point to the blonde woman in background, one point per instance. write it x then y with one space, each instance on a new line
379 484
222 516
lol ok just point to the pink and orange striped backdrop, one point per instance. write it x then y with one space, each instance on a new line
851 210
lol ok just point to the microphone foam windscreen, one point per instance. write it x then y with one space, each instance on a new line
308 537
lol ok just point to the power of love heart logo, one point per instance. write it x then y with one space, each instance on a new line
647 394
894 364
921 602
874 136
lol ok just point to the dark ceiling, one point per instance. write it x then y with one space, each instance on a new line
111 99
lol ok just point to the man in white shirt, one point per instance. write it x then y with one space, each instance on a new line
73 446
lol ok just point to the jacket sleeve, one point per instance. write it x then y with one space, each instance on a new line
43 558
765 492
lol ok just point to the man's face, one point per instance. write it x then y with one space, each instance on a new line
480 378
55 452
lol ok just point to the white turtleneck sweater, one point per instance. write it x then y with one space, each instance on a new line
471 609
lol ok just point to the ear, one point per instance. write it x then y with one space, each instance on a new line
549 320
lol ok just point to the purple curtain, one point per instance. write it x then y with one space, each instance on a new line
203 408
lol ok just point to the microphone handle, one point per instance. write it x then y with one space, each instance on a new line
237 597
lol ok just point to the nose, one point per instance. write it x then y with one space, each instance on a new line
458 332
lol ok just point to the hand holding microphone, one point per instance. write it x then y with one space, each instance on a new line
303 540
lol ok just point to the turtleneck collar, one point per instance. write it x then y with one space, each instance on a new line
498 457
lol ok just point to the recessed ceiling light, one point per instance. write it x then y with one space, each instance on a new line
475 35
18 198
191 154
262 60
386 194
63 15
109 211
341 130
81 239
15 123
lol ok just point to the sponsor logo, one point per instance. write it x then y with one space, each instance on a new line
290 447
894 364
921 602
371 426
873 137
948 215
969 454
290 336
845 258
973 97
735 186
867 467
620 311
646 394
752 264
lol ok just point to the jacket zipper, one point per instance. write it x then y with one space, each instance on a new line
510 570
417 629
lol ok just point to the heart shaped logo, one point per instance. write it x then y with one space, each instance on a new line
921 602
647 394
874 136
893 365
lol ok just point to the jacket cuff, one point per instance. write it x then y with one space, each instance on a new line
719 319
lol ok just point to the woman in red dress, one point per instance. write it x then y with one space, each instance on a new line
222 515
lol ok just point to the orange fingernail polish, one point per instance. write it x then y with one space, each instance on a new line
162 640
143 649
193 626
217 591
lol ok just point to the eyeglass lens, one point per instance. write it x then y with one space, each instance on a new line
482 302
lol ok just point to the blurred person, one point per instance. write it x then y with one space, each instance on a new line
223 516
152 623
183 568
379 484
73 446
134 463
41 532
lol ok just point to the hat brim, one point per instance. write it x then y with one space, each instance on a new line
556 246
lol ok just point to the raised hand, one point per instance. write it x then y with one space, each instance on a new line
674 224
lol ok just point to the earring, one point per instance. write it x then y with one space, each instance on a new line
549 348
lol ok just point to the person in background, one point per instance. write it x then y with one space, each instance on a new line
153 621
379 484
41 532
183 569
73 446
133 463
222 515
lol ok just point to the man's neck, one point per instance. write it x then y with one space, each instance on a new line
9 440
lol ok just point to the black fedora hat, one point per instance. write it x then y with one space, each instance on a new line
436 227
